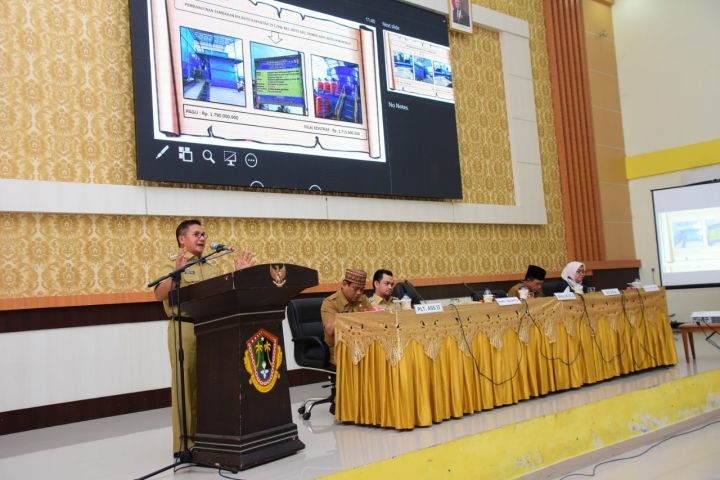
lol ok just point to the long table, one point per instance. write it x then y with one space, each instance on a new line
404 369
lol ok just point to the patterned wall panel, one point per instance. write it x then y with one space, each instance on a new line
67 115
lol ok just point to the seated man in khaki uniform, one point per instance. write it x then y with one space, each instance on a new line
534 278
383 283
350 298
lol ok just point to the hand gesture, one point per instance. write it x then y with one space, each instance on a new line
244 260
181 257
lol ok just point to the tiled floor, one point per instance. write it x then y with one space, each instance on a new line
133 446
690 455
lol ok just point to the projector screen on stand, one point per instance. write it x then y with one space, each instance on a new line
687 226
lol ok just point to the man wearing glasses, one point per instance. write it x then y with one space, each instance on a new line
350 298
191 239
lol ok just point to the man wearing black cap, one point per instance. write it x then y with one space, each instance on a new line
534 278
350 298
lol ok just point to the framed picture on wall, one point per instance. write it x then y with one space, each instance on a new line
460 15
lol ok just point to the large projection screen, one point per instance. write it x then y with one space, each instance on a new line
333 95
687 224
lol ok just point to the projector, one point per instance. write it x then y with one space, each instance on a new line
706 317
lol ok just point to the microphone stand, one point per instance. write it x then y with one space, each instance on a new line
475 296
185 455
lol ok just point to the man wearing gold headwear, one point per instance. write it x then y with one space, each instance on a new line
350 298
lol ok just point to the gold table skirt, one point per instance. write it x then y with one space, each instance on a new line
402 369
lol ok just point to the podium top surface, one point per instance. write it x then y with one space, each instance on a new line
263 287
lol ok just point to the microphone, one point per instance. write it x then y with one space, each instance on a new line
407 288
573 285
415 293
475 296
220 247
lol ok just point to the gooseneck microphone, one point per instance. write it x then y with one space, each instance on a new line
220 247
475 296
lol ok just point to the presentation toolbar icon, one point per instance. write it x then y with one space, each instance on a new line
207 155
185 154
162 152
229 157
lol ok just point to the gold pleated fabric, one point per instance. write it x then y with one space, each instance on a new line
403 370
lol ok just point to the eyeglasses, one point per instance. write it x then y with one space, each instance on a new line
199 235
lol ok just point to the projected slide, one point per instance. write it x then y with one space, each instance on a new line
342 96
279 38
418 68
690 240
687 221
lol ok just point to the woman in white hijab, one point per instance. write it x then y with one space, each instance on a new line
573 274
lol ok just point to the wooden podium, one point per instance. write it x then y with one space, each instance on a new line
244 416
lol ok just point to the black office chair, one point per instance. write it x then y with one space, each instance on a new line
310 349
551 287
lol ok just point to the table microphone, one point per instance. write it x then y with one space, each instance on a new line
475 296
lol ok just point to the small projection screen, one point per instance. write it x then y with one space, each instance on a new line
687 224
352 96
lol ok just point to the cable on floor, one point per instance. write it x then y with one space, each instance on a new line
631 457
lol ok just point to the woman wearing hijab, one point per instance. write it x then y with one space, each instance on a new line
573 274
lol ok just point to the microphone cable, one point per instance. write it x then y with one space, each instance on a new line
640 454
475 361
642 322
708 332
594 335
544 354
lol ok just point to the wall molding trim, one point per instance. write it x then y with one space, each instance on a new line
44 416
670 160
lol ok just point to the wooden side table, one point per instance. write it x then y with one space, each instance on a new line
687 330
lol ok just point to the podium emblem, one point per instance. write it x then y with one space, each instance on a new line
278 273
263 357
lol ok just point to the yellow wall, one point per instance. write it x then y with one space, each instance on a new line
608 131
676 159
67 114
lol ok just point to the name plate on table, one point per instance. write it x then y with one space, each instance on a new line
508 301
609 292
428 308
651 288
565 296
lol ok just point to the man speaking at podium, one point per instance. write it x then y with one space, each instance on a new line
191 239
